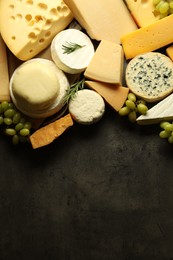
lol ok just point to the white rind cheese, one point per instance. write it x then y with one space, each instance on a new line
150 76
87 107
76 61
28 27
35 94
160 112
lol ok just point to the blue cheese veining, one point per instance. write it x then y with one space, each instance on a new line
150 76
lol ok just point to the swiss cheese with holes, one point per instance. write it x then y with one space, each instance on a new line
28 27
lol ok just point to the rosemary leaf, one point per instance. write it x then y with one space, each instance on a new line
74 89
70 47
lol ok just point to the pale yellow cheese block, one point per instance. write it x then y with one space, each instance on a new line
169 52
4 75
148 38
143 12
107 63
114 95
103 19
28 27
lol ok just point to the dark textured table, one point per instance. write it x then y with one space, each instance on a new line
100 192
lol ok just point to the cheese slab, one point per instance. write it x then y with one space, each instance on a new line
103 20
4 75
114 95
160 112
28 27
143 12
169 52
107 63
148 38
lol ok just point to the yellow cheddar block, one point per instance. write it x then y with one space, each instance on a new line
47 134
4 75
114 95
169 52
148 38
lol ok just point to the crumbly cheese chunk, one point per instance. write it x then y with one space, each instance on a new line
28 27
87 107
150 76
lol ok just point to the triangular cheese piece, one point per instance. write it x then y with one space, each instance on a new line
160 112
114 95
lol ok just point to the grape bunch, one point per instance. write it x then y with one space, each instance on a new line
13 123
133 107
167 132
163 7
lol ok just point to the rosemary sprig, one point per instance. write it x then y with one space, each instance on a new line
70 47
73 90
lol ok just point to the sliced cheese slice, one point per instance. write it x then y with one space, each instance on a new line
4 76
148 38
143 12
160 112
103 20
107 63
28 27
64 54
114 95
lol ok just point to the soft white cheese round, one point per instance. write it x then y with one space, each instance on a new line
76 61
38 88
87 107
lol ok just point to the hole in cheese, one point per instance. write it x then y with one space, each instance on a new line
28 17
29 2
42 6
11 6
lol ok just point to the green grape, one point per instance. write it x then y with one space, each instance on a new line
23 120
1 109
27 125
124 111
142 109
132 116
24 132
4 105
155 2
130 104
10 105
141 101
164 134
10 131
132 97
157 7
163 9
170 139
16 118
163 124
169 127
10 112
15 139
171 4
1 120
19 126
8 121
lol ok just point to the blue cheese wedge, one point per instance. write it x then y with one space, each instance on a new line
160 112
150 76
87 107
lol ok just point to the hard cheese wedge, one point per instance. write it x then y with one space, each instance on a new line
28 27
114 95
102 19
4 76
161 111
169 52
143 12
148 38
47 134
107 63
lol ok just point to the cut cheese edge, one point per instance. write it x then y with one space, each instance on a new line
169 51
143 12
76 61
114 95
160 112
47 134
148 38
103 20
4 75
28 27
107 63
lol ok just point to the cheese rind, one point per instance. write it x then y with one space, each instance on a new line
162 111
148 38
107 63
28 27
114 95
143 12
4 75
103 20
